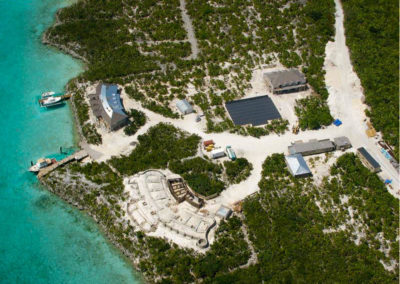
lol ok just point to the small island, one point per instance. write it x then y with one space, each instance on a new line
209 150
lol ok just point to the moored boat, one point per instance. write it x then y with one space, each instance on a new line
41 163
51 101
48 94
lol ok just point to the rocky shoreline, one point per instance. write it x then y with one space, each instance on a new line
60 191
47 41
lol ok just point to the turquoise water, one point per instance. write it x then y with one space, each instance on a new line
42 240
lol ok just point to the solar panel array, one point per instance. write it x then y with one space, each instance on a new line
255 111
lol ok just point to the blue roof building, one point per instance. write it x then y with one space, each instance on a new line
297 165
107 105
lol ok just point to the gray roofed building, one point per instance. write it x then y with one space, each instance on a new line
255 111
106 105
311 147
342 143
368 160
184 106
297 165
285 81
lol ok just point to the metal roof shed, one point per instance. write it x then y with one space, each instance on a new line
184 106
368 160
297 165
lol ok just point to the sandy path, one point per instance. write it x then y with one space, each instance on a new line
346 98
189 29
345 102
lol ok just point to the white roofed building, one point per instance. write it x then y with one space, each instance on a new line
184 106
297 165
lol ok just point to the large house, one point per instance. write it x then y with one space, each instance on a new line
107 107
311 147
285 81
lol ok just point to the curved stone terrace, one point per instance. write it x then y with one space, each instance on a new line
153 209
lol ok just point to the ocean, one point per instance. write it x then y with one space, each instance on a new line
42 239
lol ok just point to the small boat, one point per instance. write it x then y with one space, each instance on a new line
48 94
51 101
41 163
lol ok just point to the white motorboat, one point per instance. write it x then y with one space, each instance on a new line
41 163
51 101
48 94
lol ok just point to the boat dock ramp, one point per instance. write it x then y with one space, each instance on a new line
77 156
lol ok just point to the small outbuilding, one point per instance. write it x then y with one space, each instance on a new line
342 143
217 153
368 160
184 106
297 165
224 212
285 81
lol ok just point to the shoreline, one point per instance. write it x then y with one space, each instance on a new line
109 237
106 230
79 138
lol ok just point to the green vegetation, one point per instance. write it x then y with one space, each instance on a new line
91 135
143 46
81 108
176 265
138 119
287 226
313 113
293 238
202 176
161 144
238 170
372 34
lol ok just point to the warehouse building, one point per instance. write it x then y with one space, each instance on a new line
107 106
184 107
285 81
368 160
342 143
252 111
297 165
311 147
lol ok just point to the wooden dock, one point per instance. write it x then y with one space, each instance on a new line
77 156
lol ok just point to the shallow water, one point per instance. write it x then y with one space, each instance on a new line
42 240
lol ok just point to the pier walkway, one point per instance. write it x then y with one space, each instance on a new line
77 156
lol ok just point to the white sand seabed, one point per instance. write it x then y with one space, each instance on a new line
345 103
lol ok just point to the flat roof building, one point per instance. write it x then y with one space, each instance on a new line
254 111
224 212
342 143
311 147
106 105
297 165
184 106
368 160
285 81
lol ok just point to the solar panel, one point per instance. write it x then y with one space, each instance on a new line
255 111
